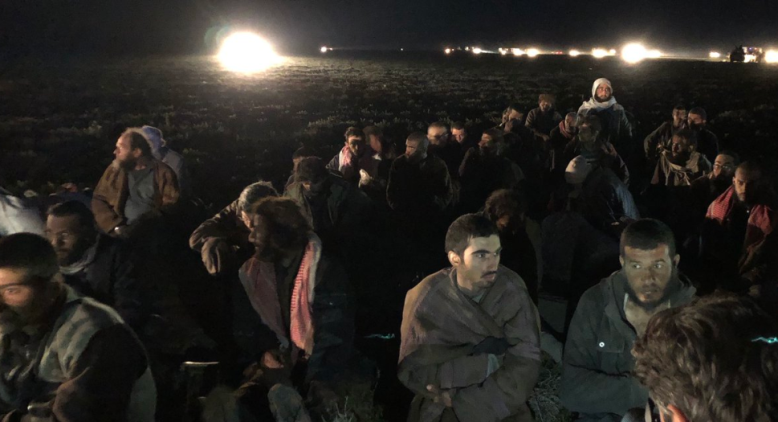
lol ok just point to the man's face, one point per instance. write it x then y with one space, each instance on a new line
586 133
747 185
723 167
545 106
124 155
69 239
459 135
259 237
571 124
312 189
487 145
649 273
375 143
437 135
478 263
679 117
680 149
696 121
412 151
603 92
356 144
16 293
514 114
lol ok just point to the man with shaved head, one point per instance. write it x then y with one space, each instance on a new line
419 182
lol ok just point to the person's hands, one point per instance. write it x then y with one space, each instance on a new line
609 149
440 396
492 345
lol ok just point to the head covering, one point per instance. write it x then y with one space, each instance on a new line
577 171
593 104
154 136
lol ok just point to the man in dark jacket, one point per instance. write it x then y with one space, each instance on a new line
223 240
616 128
419 182
64 357
661 138
602 198
597 382
707 141
442 146
94 264
544 118
486 169
295 310
334 208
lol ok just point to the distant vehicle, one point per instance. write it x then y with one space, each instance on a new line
747 55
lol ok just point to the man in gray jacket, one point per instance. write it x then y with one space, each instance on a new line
597 379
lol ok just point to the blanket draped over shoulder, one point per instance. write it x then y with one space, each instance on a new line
441 328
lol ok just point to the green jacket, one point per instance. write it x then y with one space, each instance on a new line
596 373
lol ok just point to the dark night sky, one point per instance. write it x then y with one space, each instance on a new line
161 26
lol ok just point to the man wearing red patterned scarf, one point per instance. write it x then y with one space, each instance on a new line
738 239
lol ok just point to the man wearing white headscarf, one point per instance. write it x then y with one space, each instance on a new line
615 126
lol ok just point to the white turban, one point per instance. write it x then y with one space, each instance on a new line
577 171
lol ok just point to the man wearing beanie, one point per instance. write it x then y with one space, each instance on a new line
161 152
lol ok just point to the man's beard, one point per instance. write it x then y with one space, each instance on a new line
603 100
127 164
67 257
680 158
672 286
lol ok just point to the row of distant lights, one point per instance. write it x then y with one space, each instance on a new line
770 56
631 53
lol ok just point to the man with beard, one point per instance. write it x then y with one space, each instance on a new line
738 236
353 157
597 380
470 348
294 321
135 185
485 169
419 182
597 150
681 164
707 142
707 188
334 208
94 264
64 357
616 128
460 135
223 240
661 138
444 148
544 118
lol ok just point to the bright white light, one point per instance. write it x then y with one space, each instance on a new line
517 51
654 54
477 50
246 52
599 53
612 52
574 53
633 53
533 52
447 51
749 58
714 55
467 48
771 56
324 49
503 51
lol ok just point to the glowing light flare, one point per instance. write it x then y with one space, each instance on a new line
503 51
634 53
714 55
324 49
599 53
574 53
477 50
517 51
771 56
447 51
532 52
654 54
247 52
